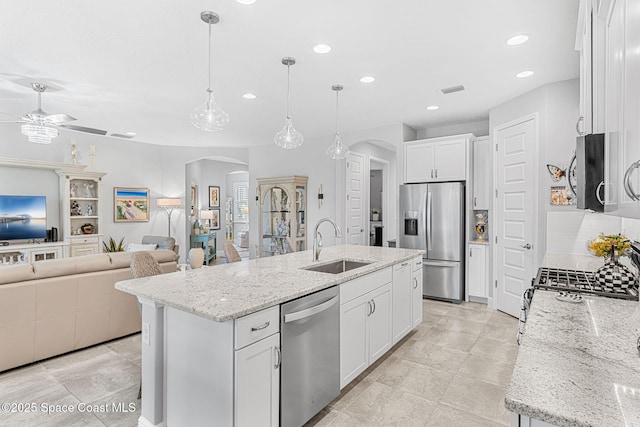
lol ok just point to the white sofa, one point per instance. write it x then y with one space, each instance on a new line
52 307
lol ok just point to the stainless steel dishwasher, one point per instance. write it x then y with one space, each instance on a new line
310 345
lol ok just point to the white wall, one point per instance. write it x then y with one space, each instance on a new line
478 128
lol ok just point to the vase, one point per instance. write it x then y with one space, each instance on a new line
614 275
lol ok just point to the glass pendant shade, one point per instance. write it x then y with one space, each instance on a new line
288 137
209 116
337 151
39 134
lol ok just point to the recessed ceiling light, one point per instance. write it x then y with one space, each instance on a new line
518 39
523 74
432 107
246 1
130 133
322 48
249 96
367 79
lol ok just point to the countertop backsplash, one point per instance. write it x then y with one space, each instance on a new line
570 231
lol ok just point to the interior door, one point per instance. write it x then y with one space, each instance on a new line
355 199
516 210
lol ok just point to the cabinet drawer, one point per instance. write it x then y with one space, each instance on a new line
84 240
360 286
416 264
255 326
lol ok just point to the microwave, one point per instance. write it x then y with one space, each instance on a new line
590 171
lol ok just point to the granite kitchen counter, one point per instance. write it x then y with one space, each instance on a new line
578 364
229 291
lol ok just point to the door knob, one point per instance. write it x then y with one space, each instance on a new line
527 246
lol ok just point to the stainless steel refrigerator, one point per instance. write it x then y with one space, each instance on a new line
432 219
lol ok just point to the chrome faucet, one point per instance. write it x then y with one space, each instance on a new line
317 237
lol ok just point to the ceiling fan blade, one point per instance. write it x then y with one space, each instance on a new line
84 129
59 118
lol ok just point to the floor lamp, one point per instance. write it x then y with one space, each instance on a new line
169 205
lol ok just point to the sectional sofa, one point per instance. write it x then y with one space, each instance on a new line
52 307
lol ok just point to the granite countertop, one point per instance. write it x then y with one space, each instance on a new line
229 291
578 364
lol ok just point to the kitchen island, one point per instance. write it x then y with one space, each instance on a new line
577 364
194 320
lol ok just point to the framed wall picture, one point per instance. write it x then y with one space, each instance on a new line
130 204
214 196
215 222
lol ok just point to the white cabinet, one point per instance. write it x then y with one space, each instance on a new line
591 43
416 291
257 383
482 177
437 159
402 299
81 211
477 279
365 322
31 252
222 373
622 151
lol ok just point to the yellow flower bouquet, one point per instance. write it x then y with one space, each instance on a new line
603 245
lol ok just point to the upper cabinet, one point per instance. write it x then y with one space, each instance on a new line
283 209
591 43
436 159
622 106
482 174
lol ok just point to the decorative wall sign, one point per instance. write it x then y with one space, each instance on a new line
214 196
560 195
130 204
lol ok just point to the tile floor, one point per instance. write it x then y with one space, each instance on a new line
452 370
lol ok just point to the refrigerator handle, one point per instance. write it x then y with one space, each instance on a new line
428 227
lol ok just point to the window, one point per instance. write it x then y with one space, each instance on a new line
241 201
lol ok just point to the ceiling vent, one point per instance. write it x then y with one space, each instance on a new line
120 135
452 89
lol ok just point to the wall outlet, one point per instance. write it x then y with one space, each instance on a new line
145 333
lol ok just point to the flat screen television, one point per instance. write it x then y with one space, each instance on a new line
23 217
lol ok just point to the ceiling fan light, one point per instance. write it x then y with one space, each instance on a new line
209 116
288 138
39 134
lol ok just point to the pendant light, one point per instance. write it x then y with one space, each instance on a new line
209 116
337 151
288 137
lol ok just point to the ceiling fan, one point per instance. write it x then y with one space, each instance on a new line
40 126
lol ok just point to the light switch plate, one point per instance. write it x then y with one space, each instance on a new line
145 333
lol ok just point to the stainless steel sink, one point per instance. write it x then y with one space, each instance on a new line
337 267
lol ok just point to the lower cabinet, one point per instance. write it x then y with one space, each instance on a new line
257 383
402 300
416 291
365 327
84 245
478 271
222 373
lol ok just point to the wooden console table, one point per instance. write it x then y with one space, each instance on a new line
208 243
